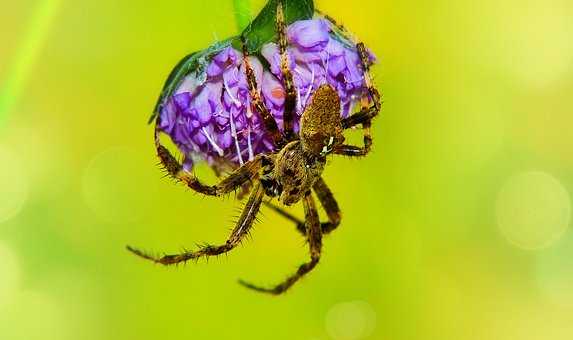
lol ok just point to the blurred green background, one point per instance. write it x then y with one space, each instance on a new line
457 226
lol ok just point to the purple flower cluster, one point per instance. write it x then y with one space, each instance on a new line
209 116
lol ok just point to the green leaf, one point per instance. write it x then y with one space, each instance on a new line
195 62
263 30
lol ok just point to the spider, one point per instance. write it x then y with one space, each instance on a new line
293 172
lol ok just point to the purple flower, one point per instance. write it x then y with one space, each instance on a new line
209 117
222 60
271 53
309 35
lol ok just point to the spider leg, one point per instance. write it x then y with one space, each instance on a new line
329 204
332 20
288 82
241 176
356 151
258 104
300 226
367 113
314 235
364 61
351 150
363 116
242 228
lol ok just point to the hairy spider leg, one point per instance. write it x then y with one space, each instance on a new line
365 115
238 178
287 77
364 59
314 237
300 225
367 112
329 204
258 104
241 229
357 151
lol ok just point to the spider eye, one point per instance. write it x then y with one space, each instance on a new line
330 141
327 145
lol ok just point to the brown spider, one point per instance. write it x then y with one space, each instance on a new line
291 173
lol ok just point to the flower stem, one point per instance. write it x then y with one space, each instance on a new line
243 13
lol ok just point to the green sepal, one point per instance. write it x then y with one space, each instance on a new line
263 29
195 62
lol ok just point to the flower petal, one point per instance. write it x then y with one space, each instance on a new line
310 35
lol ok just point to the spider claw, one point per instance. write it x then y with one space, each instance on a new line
134 250
251 286
140 253
164 259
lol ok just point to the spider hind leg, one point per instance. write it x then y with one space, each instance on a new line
242 228
314 237
327 201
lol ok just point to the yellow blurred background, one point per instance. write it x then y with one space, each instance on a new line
457 226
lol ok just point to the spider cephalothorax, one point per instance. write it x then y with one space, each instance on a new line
300 163
291 170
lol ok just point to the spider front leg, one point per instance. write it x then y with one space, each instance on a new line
288 82
366 114
241 176
356 151
329 204
242 229
365 63
314 237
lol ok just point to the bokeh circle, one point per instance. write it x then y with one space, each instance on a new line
533 210
350 320
112 185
